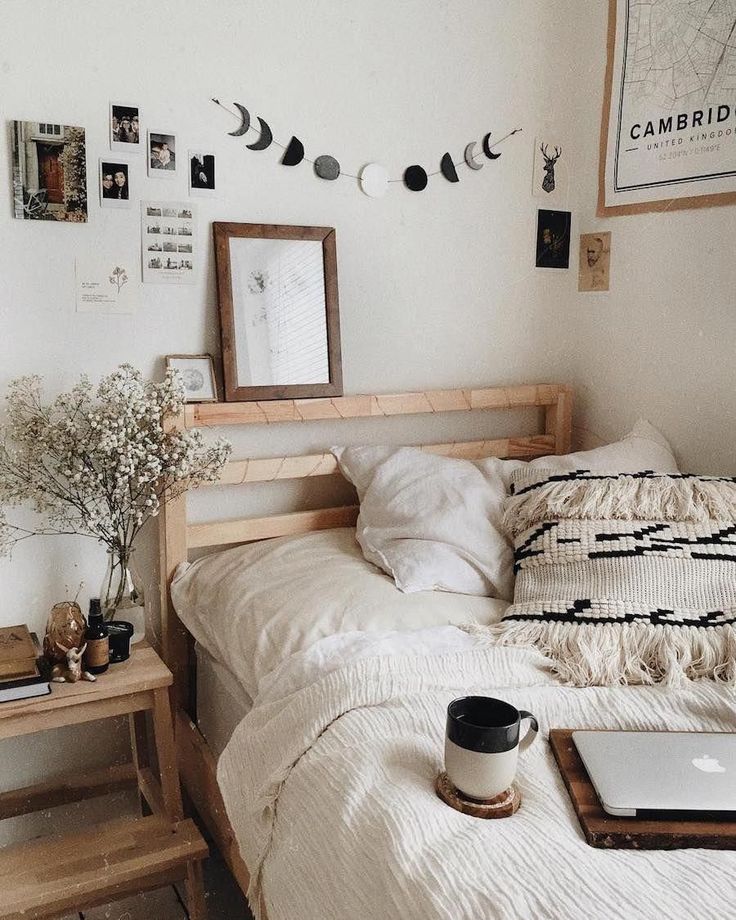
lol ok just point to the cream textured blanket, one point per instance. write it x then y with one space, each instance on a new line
330 793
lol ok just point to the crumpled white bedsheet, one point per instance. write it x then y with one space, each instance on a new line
328 783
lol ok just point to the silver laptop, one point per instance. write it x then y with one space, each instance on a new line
685 774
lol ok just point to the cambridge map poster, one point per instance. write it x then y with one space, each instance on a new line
669 120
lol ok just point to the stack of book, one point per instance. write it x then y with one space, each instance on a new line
20 678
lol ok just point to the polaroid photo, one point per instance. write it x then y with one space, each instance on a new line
125 127
198 375
114 183
161 155
201 173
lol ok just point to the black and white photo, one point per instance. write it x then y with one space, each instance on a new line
168 228
553 239
161 154
114 179
125 127
201 173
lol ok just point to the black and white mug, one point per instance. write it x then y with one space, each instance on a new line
482 744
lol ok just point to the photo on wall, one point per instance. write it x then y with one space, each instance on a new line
161 154
553 239
125 127
201 173
168 242
49 171
550 179
594 272
114 180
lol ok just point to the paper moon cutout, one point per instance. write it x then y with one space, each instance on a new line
470 157
487 150
374 180
447 167
245 120
415 178
264 140
294 153
327 167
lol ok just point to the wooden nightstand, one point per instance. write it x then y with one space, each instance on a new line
50 876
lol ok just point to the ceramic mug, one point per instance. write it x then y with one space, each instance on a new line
482 744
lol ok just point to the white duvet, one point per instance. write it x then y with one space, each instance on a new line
328 783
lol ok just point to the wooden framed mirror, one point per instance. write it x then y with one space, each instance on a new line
279 315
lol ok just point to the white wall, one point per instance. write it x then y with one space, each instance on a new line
662 343
436 289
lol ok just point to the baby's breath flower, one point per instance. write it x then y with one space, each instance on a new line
99 462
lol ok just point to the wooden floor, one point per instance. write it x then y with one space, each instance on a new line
224 900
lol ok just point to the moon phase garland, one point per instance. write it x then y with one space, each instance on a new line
373 178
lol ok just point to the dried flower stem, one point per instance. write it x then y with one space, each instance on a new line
99 463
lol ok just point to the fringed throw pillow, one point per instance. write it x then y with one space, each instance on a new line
624 578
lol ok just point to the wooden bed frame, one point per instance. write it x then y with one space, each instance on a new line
197 763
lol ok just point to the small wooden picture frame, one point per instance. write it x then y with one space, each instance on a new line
198 372
279 313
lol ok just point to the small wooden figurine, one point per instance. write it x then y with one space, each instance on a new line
71 672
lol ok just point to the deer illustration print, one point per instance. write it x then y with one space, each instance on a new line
548 183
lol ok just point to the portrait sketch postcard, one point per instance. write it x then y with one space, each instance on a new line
594 272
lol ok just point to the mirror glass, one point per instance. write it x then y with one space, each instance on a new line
279 311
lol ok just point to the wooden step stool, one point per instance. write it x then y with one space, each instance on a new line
50 876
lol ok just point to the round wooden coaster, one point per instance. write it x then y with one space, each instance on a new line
502 806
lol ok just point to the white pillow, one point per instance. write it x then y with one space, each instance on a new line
643 448
252 607
432 522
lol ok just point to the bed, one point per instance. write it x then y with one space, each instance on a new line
320 795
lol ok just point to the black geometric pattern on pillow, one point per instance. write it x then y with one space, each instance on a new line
610 611
588 476
647 557
561 542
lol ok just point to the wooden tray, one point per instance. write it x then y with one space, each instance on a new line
606 831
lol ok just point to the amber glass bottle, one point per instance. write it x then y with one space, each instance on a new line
97 656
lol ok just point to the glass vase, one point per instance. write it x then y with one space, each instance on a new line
121 594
